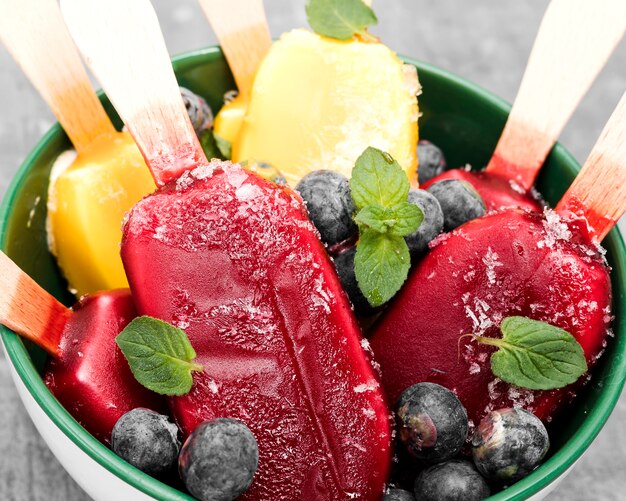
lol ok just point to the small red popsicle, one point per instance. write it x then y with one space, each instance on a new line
510 262
88 373
574 42
234 261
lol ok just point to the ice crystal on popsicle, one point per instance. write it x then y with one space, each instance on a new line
234 260
507 263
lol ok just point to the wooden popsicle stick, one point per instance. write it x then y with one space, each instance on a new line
242 30
29 310
34 32
122 43
575 39
599 191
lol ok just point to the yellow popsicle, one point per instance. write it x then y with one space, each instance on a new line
87 202
229 120
317 103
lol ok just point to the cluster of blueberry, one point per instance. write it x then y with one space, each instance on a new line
432 429
198 110
446 205
217 462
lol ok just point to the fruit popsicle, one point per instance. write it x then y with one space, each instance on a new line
88 198
547 267
87 202
87 372
319 102
574 42
234 261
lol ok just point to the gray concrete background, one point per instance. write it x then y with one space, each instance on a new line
485 41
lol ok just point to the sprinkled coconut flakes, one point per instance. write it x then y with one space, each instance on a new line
555 229
492 261
516 187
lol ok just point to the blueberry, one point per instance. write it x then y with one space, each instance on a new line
508 444
459 201
451 481
344 263
432 224
432 422
330 205
398 495
219 460
147 440
199 111
431 161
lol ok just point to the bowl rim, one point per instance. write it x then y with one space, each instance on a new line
547 473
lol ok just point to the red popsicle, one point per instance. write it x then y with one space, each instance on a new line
234 260
511 262
575 39
87 373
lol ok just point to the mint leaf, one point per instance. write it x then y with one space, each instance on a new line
535 355
381 265
408 218
341 19
401 219
159 355
215 146
209 145
378 179
224 146
375 217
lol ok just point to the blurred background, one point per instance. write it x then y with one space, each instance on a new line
484 41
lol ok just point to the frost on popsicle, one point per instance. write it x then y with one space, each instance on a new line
547 273
235 260
311 106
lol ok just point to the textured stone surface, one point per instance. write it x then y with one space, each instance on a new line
484 41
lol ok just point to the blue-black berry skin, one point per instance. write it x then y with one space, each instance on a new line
431 226
459 201
147 440
218 460
455 480
199 111
344 264
508 444
431 161
330 205
431 422
398 495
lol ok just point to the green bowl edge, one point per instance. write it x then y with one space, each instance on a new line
554 467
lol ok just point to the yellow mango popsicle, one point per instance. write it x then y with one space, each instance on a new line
92 187
317 103
87 202
229 120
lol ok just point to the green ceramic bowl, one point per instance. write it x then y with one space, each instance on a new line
462 118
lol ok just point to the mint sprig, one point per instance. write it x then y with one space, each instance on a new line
535 355
160 355
380 191
341 19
